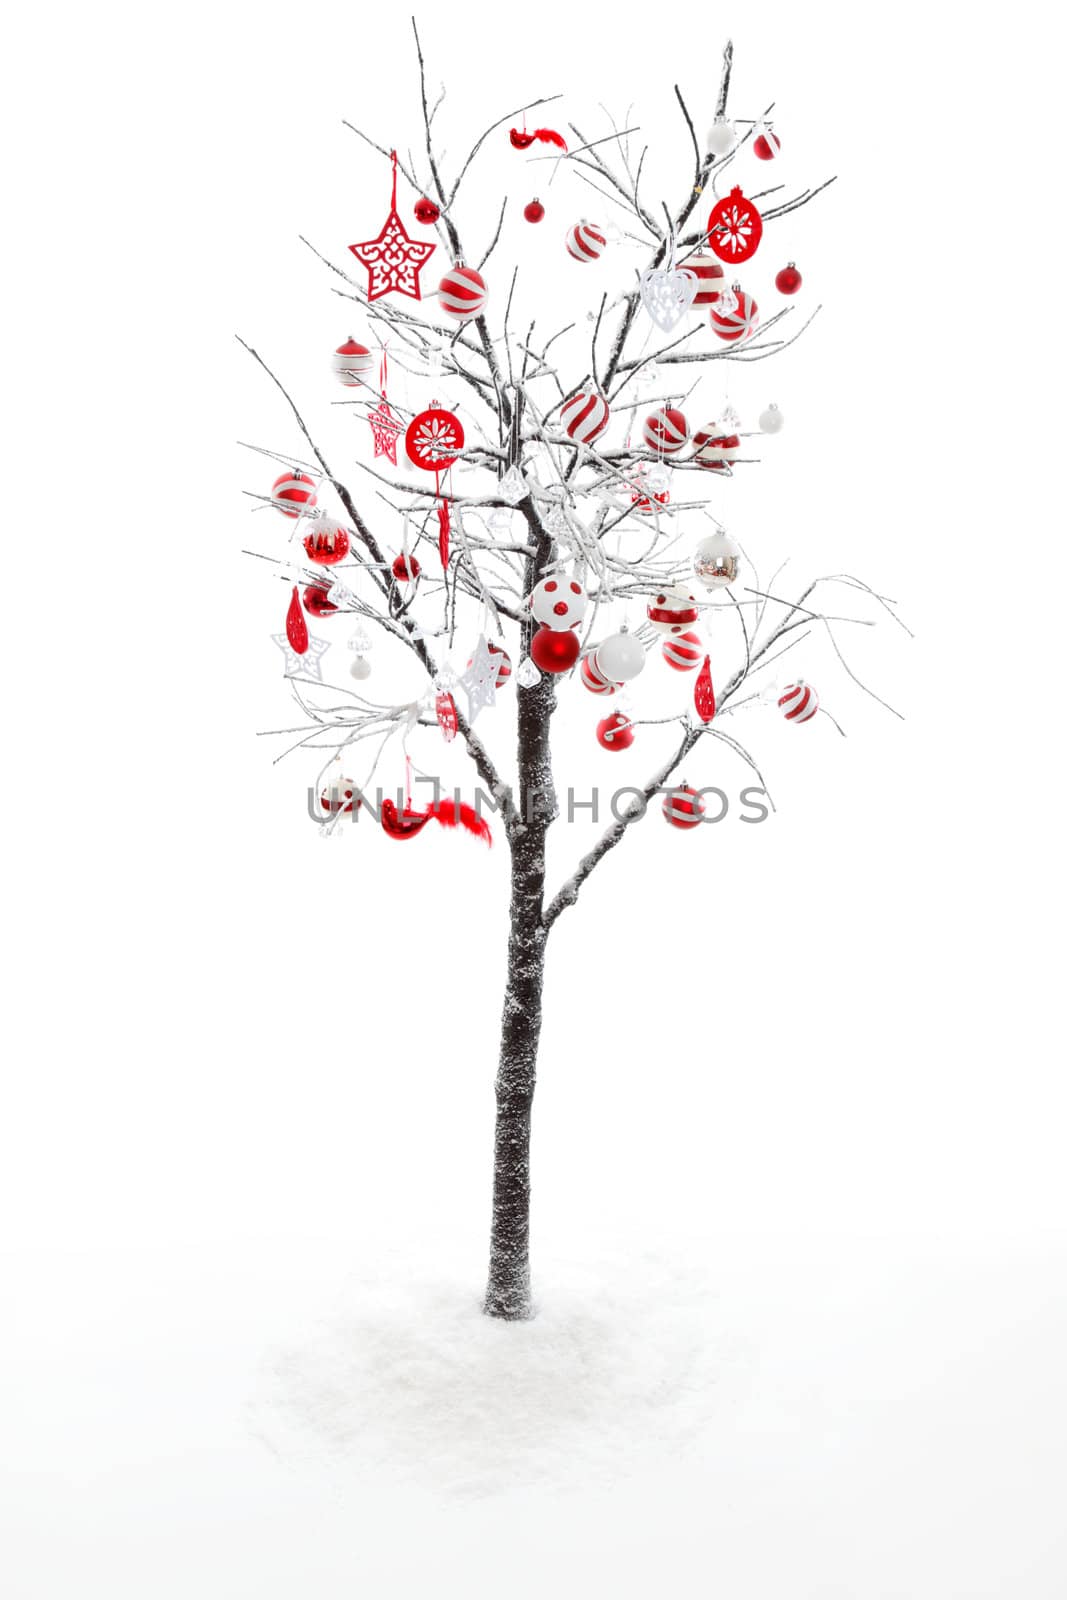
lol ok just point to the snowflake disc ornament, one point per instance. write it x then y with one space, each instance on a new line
735 228
393 260
434 439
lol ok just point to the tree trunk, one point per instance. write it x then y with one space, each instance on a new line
508 1294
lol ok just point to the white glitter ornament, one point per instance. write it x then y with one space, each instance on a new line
479 680
716 561
722 136
771 420
668 295
620 658
360 668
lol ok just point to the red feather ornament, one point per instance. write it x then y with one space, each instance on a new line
296 629
407 823
523 140
704 692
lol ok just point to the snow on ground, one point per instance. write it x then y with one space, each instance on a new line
810 1419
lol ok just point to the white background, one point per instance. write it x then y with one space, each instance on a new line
809 1068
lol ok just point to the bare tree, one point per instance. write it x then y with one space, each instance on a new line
573 498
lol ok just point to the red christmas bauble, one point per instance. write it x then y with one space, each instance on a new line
317 602
683 807
555 649
406 569
788 280
615 732
501 660
738 324
798 702
585 416
434 439
710 276
735 228
714 450
585 242
593 679
766 146
683 652
340 794
326 544
427 211
665 431
534 212
463 293
293 493
352 362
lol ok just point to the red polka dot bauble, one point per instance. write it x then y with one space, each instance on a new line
585 417
684 652
351 362
559 602
683 807
738 323
585 242
715 451
427 211
798 703
293 493
554 650
463 293
788 281
534 212
593 679
672 612
327 543
665 431
317 602
766 146
711 278
615 732
406 569
341 794
501 661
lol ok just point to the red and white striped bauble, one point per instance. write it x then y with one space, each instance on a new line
502 662
463 293
683 807
293 493
351 362
665 431
798 702
585 242
594 679
715 450
738 323
684 652
585 417
672 612
711 278
766 145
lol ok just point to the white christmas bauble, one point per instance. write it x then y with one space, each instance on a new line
722 136
620 658
771 420
559 602
716 561
360 667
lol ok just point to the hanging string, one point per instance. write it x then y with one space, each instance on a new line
394 179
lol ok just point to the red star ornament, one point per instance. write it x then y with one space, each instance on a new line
393 260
